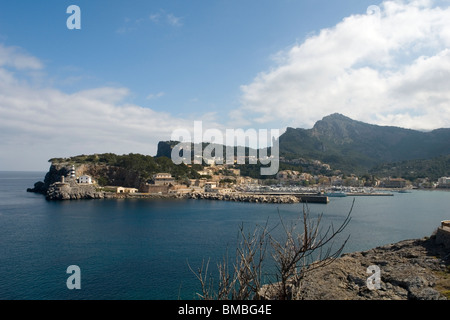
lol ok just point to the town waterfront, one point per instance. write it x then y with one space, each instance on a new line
140 248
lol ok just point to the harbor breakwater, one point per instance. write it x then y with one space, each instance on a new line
244 197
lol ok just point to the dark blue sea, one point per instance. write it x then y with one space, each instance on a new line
142 249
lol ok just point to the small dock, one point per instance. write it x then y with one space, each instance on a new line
313 199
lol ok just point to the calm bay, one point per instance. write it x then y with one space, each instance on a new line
141 248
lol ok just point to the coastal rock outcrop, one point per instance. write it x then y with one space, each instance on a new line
72 191
57 185
54 175
409 270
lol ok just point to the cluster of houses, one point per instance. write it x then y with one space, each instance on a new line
292 176
213 179
226 179
444 182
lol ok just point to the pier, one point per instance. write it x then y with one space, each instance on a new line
314 199
302 197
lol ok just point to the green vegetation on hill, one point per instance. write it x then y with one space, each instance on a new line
415 169
348 146
355 147
145 165
165 149
254 170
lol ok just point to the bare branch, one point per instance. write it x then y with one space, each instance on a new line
294 256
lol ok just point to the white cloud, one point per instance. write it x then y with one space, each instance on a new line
155 17
162 17
391 68
158 18
37 124
15 57
173 20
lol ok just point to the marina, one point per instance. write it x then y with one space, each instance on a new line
316 195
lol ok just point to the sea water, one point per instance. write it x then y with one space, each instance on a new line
145 249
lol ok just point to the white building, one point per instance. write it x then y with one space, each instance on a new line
205 172
444 182
85 179
163 179
210 186
126 190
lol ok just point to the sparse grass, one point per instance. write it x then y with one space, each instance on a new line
443 282
108 189
446 293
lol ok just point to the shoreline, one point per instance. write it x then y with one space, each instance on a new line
415 269
65 191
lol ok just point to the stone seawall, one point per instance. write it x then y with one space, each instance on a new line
243 197
443 234
71 190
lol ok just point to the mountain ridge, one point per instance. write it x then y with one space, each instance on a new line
352 145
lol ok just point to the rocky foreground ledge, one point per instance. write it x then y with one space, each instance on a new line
410 270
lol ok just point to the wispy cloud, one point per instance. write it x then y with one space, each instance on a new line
129 25
173 20
152 96
16 58
390 67
160 18
163 17
154 17
39 123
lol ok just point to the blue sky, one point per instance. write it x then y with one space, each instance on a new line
196 63
137 70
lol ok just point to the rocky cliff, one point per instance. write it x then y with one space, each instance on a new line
355 146
72 191
54 175
409 270
57 185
